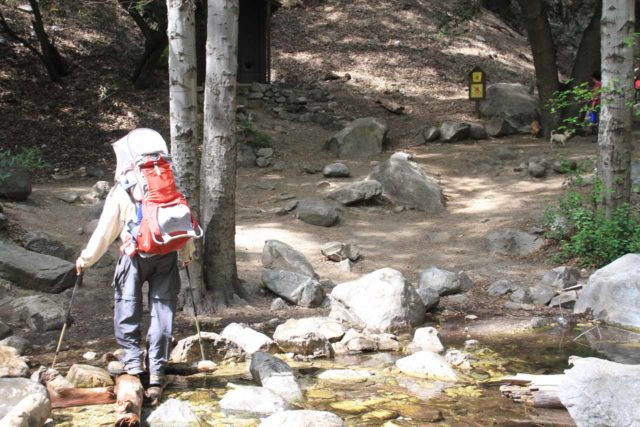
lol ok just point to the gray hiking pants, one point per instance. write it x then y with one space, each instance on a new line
162 274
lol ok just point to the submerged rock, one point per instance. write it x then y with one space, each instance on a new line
303 418
174 412
427 364
252 402
274 374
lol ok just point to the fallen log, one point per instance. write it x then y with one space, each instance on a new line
540 391
129 393
68 397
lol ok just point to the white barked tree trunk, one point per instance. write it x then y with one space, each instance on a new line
617 99
183 112
218 169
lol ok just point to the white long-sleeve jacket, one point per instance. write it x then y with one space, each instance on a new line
118 210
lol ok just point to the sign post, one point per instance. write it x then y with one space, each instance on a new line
477 87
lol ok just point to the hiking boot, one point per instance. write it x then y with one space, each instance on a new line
153 393
116 368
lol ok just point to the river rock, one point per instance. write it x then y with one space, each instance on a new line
426 339
248 339
11 365
358 302
87 376
349 375
498 126
279 304
477 131
510 101
361 138
454 131
356 192
613 293
174 412
561 277
296 288
356 342
445 282
35 271
317 212
537 170
337 251
600 393
308 336
16 185
501 287
279 255
40 313
405 183
541 294
564 299
21 345
303 418
512 242
251 401
336 170
275 375
23 403
216 348
429 134
427 364
44 243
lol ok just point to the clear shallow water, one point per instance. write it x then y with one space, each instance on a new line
390 398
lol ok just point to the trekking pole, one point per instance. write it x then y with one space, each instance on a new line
67 319
195 312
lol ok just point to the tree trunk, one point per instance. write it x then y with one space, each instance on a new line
153 50
614 136
129 392
218 170
534 17
183 107
53 62
588 57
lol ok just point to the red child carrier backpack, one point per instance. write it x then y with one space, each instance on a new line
164 222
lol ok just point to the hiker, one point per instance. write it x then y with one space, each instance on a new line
143 172
594 105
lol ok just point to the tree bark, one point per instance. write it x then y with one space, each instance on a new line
534 17
617 99
129 392
183 108
142 77
218 169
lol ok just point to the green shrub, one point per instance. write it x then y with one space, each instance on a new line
253 137
28 158
586 234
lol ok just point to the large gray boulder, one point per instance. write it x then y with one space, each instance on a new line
317 212
174 412
38 312
309 336
612 293
35 271
510 101
274 374
23 403
216 348
359 302
278 255
11 365
361 138
498 126
16 185
303 418
445 282
252 401
249 340
600 393
405 183
296 288
513 242
44 243
356 192
454 131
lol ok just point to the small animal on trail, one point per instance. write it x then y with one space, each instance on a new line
536 129
559 138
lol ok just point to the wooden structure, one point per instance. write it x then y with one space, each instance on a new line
540 391
254 40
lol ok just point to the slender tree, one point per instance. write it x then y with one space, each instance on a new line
218 168
617 97
183 108
536 22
